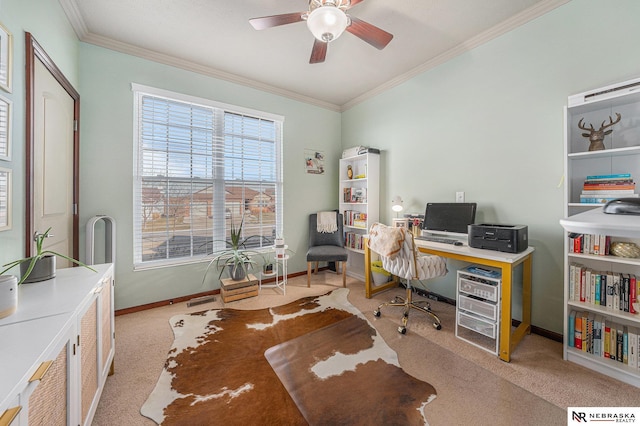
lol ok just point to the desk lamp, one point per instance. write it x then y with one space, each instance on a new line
397 204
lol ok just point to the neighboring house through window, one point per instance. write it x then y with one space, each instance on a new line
199 167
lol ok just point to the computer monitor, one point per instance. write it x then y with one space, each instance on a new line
449 218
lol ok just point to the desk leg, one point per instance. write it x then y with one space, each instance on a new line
367 269
505 313
509 339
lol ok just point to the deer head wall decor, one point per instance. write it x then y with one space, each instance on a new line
596 137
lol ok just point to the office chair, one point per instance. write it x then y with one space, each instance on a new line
400 257
326 247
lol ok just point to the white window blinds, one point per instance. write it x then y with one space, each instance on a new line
200 167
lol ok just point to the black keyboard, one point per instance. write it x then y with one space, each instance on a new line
437 239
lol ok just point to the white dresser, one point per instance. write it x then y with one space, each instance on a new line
57 349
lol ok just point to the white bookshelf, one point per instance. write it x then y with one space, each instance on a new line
621 155
365 180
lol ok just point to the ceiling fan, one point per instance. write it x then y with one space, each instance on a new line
327 20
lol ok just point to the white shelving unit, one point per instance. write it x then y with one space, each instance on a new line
361 209
621 155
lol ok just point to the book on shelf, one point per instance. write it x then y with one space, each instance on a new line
355 219
597 244
613 291
571 329
606 340
609 193
620 343
633 347
577 335
609 176
603 199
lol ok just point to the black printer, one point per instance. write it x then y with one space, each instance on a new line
506 238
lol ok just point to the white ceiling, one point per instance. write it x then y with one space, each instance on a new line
214 37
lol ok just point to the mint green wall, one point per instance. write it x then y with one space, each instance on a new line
490 123
46 21
107 161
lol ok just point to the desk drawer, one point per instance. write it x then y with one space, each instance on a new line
478 289
484 309
477 324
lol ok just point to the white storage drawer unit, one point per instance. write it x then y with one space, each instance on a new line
478 307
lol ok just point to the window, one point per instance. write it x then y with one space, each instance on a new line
201 166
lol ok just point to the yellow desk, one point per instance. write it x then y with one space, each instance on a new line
506 262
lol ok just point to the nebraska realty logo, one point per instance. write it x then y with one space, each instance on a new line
582 415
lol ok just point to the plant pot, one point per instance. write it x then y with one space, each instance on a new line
44 269
237 272
8 295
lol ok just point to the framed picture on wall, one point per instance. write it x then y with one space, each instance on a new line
5 199
6 58
314 161
5 129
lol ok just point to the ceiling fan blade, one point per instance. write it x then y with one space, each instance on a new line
318 52
276 20
373 35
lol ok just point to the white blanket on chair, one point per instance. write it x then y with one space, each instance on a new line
386 240
327 222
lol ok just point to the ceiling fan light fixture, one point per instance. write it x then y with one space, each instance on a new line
327 23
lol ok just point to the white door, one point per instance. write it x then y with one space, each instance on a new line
53 162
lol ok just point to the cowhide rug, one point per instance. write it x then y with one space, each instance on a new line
335 369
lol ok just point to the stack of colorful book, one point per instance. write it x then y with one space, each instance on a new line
600 189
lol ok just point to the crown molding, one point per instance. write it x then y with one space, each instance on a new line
70 8
162 58
75 18
488 35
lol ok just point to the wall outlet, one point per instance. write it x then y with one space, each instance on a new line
460 197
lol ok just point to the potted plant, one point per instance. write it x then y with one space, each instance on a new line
235 258
41 266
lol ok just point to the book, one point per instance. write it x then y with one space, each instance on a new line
572 281
586 332
603 289
633 347
619 343
577 335
625 345
633 297
624 299
609 176
591 317
571 329
604 193
606 339
610 290
597 335
616 292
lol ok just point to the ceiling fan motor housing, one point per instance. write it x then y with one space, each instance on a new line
327 23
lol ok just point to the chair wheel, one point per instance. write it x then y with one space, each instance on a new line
376 313
437 326
402 330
